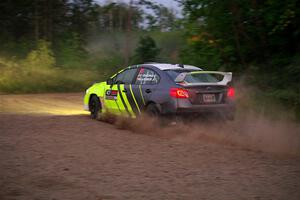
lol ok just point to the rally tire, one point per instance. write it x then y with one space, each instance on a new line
95 107
152 111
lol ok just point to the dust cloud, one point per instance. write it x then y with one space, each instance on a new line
269 128
253 132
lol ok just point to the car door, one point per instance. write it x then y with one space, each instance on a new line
142 89
112 95
116 95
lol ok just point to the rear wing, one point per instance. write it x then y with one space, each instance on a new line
227 77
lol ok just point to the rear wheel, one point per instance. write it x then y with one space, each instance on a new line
152 110
95 107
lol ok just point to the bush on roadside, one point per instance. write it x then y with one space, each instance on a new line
37 73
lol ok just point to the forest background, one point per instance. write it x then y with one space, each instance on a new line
66 45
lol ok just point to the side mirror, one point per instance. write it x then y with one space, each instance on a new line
109 81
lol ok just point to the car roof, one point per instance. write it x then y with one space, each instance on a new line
167 66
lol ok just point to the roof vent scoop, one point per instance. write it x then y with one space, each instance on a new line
181 65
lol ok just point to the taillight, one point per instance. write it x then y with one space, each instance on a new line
230 92
179 93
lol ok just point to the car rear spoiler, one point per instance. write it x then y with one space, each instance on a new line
227 77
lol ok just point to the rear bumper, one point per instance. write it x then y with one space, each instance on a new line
211 108
185 106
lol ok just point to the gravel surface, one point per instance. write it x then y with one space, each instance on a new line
56 155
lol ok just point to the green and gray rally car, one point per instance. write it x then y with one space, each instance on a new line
162 89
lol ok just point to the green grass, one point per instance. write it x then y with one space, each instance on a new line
17 78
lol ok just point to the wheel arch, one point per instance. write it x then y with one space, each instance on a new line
98 89
152 102
90 98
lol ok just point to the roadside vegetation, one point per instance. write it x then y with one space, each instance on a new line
61 46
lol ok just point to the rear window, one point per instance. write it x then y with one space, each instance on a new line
174 73
195 77
200 78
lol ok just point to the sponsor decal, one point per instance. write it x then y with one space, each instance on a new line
143 78
111 94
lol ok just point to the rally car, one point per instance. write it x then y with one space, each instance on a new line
160 89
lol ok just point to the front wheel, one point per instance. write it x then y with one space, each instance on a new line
95 107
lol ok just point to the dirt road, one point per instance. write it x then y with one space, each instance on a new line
51 150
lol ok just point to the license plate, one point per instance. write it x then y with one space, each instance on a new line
209 98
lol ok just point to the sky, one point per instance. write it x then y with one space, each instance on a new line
168 3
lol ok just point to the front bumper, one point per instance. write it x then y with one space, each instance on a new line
86 107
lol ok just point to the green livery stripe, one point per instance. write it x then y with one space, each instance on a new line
130 100
137 106
117 73
123 101
140 87
126 101
118 107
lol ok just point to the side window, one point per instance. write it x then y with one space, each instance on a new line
147 77
118 78
129 75
125 76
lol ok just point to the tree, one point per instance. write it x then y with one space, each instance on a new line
146 50
114 17
246 33
161 18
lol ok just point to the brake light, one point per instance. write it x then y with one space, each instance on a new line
179 93
230 92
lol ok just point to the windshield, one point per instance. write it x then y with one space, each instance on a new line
194 77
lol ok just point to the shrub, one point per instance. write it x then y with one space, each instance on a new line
41 57
146 50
